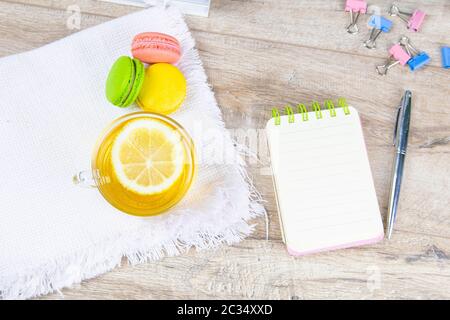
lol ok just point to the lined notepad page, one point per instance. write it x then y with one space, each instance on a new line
325 192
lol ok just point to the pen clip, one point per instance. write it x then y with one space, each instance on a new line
396 126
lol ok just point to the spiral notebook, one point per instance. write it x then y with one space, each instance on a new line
324 188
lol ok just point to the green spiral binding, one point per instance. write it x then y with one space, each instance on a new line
330 106
302 110
343 104
276 116
316 109
290 114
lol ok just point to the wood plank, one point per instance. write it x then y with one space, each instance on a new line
24 27
255 62
262 270
318 24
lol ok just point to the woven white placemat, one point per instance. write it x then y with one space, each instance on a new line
52 109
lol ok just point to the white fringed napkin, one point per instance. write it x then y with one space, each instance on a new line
52 109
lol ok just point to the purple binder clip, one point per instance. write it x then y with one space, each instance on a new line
418 58
413 19
379 24
397 56
355 8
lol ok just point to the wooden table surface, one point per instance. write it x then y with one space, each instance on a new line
264 53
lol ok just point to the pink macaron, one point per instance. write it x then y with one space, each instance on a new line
155 47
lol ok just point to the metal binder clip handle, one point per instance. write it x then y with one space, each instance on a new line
352 28
383 69
409 48
394 11
404 41
371 43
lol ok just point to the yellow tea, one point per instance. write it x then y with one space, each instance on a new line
144 163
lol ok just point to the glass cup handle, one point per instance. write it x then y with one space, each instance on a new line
84 179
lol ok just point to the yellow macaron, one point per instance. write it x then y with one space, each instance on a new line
163 90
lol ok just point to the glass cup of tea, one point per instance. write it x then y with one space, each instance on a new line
143 164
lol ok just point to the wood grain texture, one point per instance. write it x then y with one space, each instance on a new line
259 54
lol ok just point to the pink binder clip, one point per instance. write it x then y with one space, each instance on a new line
416 20
413 20
397 56
355 8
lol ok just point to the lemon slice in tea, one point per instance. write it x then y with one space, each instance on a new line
148 156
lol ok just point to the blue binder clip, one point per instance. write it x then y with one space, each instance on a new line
418 61
418 58
445 57
379 24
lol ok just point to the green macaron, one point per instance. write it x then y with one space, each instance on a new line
124 81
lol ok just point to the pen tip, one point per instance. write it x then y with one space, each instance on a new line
389 233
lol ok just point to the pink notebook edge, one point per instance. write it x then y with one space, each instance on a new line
359 243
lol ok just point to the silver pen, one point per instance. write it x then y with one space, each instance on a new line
400 142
